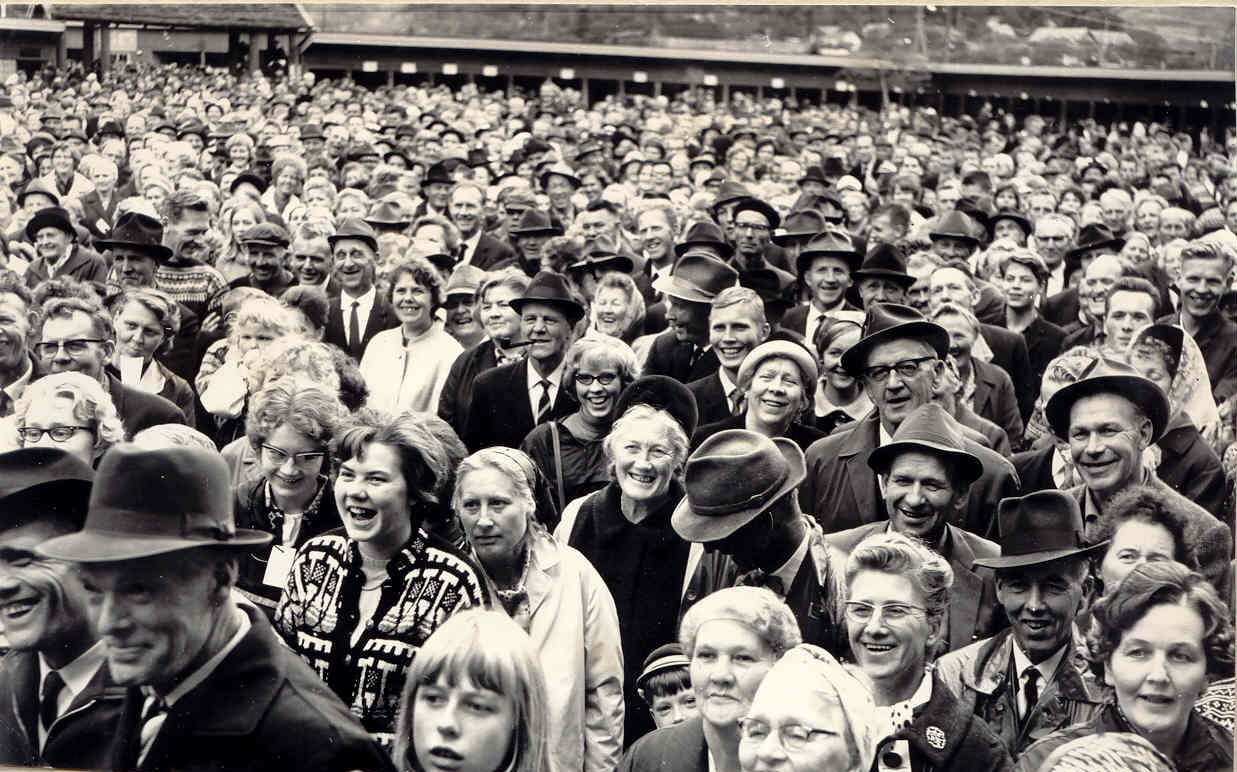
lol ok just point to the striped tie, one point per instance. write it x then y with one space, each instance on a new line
543 404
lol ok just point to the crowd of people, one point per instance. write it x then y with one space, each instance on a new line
450 431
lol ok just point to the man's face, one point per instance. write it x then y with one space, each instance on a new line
597 224
547 330
43 600
186 236
354 265
134 269
1008 229
1038 206
438 193
51 243
1041 602
1021 286
656 238
86 358
1098 278
734 332
265 261
876 289
952 249
950 285
311 263
14 333
752 233
559 190
466 210
1172 227
1116 213
827 279
1052 239
1107 435
919 495
946 199
154 615
1202 282
961 338
896 397
690 321
1128 312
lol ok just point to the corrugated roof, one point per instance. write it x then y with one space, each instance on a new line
267 16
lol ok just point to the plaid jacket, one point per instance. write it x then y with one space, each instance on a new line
319 612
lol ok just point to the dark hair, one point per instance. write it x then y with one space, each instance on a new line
353 391
979 178
311 301
664 684
1154 584
899 216
421 272
423 462
602 205
1148 505
1134 284
181 201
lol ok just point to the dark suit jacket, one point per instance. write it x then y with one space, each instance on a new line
1009 352
1190 467
139 410
183 358
994 399
457 391
77 739
499 413
381 317
83 264
990 307
796 318
490 251
841 491
1079 335
711 402
671 357
1035 468
262 708
800 434
982 430
973 607
678 748
1062 308
1044 343
93 211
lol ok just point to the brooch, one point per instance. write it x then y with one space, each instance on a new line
936 738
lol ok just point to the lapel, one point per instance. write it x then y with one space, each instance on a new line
76 260
126 745
968 586
380 318
983 389
25 670
939 727
856 448
515 393
543 573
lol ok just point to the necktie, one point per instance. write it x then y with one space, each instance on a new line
697 351
1030 691
737 403
354 326
48 698
154 712
543 404
6 405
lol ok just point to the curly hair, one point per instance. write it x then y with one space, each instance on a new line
1160 583
422 273
756 608
424 463
900 555
92 405
1147 505
307 407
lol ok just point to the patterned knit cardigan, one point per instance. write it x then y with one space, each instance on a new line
427 582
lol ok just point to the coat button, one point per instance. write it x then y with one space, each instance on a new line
369 625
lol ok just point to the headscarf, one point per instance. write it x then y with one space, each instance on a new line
1190 389
1107 752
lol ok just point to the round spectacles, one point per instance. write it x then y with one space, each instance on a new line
32 435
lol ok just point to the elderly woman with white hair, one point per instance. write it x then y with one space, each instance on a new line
69 411
897 607
556 596
732 639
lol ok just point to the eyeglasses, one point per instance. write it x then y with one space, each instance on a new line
75 347
57 433
905 369
793 737
605 379
861 611
278 456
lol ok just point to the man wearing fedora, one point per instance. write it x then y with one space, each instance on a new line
798 228
508 401
266 247
824 266
208 683
926 473
898 360
529 236
882 276
1063 308
683 352
137 250
742 516
436 190
54 236
58 705
1032 679
1109 418
954 240
360 312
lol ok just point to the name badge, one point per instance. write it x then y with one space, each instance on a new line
103 226
277 566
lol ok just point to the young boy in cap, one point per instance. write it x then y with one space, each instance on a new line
665 686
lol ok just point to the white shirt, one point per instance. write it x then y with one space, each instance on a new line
1056 280
815 316
534 384
728 386
470 246
76 676
1047 669
363 311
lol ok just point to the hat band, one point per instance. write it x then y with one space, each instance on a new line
665 663
1030 544
755 500
190 525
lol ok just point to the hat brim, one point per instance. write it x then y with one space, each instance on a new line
1116 243
967 238
38 223
696 528
370 241
157 251
970 467
787 237
855 357
572 310
1023 223
89 546
668 285
1142 392
619 263
904 279
725 249
1036 558
538 231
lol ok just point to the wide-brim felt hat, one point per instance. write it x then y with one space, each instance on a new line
139 233
729 192
664 393
697 278
39 187
884 261
813 174
550 288
438 173
354 228
1014 216
832 242
1038 528
51 217
1094 236
41 482
603 258
954 225
388 214
834 165
753 204
535 221
466 279
562 170
800 224
892 321
148 502
731 478
929 429
706 234
1110 376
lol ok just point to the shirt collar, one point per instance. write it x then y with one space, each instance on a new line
18 387
727 384
883 437
788 569
367 299
554 377
1047 669
195 679
78 673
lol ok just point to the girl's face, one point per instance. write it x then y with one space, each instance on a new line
832 360
253 336
242 220
238 155
597 385
62 162
372 497
1135 251
461 728
1006 199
